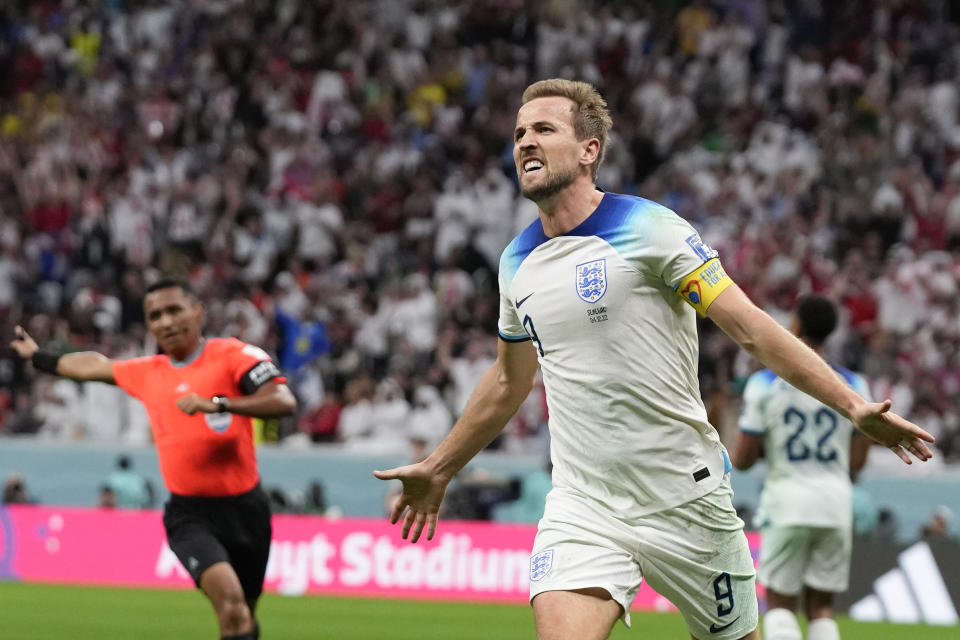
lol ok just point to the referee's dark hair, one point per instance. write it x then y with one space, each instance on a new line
817 316
170 283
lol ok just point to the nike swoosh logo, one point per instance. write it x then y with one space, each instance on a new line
715 629
522 300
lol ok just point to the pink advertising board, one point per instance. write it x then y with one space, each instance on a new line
365 557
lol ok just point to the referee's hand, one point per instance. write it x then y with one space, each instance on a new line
23 344
193 403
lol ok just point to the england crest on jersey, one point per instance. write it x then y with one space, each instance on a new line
540 565
592 280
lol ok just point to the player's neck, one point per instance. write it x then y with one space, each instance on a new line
569 208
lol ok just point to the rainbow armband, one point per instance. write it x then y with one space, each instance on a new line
701 287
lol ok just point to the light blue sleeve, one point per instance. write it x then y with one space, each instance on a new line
754 400
509 325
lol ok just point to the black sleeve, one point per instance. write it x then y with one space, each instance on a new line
258 375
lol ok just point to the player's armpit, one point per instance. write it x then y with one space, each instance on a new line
702 286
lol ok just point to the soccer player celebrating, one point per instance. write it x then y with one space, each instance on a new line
805 510
200 395
601 292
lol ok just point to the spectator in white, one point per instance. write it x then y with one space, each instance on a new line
415 316
901 301
391 412
943 103
290 295
677 115
356 418
494 193
455 211
329 91
11 273
406 63
467 370
430 419
318 225
373 328
131 224
452 284
244 321
254 248
805 85
187 226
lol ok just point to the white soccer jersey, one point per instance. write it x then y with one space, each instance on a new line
618 351
807 449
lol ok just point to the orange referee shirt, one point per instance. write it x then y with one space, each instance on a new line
206 454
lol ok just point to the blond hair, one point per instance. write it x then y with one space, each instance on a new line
591 118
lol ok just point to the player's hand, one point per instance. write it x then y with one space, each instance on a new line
422 494
192 403
23 344
892 431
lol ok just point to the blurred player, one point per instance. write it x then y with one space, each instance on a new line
601 293
200 396
805 510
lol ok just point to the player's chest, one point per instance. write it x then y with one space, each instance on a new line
573 289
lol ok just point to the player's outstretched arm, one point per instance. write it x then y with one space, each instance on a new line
83 365
899 435
497 397
798 364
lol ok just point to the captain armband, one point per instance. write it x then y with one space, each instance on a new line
258 375
701 287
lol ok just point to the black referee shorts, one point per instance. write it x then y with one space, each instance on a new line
234 529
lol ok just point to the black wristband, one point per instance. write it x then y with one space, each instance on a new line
45 361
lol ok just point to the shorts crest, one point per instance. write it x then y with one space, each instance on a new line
540 565
592 280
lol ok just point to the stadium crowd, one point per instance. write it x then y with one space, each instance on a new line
335 179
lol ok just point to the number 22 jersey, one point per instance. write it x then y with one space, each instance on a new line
807 452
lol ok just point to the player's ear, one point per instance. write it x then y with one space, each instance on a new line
201 313
589 151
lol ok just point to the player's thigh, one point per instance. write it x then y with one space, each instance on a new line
245 531
828 569
587 614
578 547
696 555
784 556
193 540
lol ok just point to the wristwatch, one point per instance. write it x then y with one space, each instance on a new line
221 402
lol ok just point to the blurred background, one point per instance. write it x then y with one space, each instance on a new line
335 179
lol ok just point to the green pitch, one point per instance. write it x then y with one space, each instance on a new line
45 612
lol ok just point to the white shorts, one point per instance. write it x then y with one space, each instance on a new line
695 555
797 556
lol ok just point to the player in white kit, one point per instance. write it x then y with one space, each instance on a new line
805 510
600 292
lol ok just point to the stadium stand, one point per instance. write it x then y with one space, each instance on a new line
334 178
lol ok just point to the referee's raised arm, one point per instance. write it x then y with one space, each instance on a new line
82 365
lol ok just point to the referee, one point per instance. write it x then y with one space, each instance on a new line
201 395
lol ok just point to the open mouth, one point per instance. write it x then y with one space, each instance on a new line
532 165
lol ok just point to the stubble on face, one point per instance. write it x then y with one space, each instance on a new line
556 182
